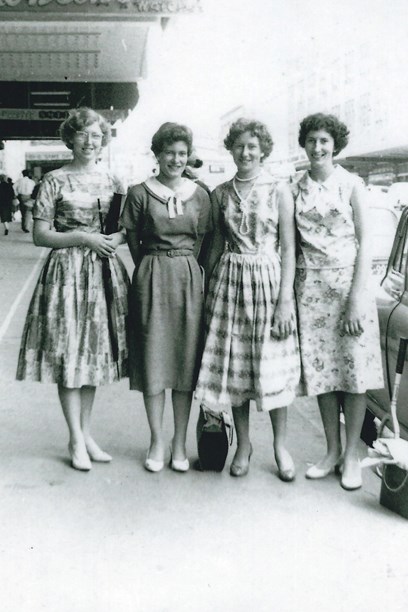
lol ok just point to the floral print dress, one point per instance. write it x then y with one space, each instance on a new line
66 338
332 360
241 360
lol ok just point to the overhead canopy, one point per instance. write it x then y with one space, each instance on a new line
60 54
395 154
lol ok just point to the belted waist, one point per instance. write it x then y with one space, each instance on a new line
169 253
232 248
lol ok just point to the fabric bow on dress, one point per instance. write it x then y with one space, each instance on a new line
174 199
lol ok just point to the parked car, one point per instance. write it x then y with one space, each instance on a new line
392 305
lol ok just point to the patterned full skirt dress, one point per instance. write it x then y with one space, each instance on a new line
66 337
242 360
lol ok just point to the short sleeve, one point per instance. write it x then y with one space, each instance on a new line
119 185
44 207
205 223
133 209
216 204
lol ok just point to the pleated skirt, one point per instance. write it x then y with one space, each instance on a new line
241 360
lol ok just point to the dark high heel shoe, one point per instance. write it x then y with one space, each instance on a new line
241 470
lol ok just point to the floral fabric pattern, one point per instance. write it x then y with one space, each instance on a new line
66 337
332 360
325 222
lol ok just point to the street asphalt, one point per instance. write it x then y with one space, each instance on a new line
120 539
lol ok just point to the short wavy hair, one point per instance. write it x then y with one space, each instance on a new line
77 120
331 124
168 133
255 128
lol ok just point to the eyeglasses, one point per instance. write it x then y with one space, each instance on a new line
92 135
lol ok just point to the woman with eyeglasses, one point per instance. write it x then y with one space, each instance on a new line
74 334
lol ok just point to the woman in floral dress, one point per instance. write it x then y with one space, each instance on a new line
71 337
251 348
338 327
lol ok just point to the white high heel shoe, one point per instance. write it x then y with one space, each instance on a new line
315 472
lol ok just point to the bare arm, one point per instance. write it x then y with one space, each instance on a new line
352 323
283 321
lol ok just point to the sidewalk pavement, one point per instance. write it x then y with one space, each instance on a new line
120 539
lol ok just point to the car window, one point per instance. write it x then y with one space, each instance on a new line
394 282
382 226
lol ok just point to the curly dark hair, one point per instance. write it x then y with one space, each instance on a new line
321 121
255 128
168 133
77 119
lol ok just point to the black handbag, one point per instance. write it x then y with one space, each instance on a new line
394 490
214 437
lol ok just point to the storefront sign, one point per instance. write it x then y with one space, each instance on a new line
48 156
120 8
22 114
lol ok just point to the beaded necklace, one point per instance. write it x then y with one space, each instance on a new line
243 203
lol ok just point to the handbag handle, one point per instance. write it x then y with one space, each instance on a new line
398 487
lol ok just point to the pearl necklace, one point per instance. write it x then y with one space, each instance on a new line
243 203
246 180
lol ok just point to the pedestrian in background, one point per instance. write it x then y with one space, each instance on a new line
74 334
338 326
23 189
166 218
251 350
6 202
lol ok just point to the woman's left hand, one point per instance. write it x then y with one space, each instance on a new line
352 322
283 321
116 240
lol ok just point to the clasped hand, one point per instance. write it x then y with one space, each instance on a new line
283 321
104 246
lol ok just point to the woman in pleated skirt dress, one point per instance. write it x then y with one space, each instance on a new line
73 335
251 350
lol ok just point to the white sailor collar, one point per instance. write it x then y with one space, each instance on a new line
186 189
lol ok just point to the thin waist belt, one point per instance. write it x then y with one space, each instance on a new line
170 253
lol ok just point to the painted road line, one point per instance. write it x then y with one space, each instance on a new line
14 306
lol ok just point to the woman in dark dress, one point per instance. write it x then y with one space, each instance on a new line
166 218
6 202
